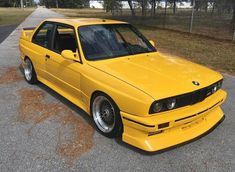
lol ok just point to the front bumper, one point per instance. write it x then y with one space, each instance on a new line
161 131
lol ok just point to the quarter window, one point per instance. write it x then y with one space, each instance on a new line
42 37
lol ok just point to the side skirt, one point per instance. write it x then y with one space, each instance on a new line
72 99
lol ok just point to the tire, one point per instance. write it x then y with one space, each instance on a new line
29 72
106 116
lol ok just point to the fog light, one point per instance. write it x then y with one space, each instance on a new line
171 104
163 125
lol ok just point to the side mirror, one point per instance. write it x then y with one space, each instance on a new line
68 54
152 43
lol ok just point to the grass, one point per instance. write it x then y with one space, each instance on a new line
218 26
9 16
219 55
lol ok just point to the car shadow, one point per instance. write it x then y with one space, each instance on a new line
88 118
79 112
64 101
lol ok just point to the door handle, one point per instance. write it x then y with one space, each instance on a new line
47 56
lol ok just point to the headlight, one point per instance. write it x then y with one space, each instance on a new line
215 87
157 107
162 105
170 103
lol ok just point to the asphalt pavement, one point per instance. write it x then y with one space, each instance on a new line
6 30
42 131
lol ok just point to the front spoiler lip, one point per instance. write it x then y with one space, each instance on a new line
192 140
183 143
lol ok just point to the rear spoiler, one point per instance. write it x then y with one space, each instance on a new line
28 28
26 33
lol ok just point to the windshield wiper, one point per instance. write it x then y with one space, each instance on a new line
125 43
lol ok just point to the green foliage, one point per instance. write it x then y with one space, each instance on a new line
65 3
110 5
15 3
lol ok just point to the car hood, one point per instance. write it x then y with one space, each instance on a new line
158 75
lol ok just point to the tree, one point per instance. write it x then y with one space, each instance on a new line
112 5
166 3
174 2
15 3
206 5
198 4
63 3
143 4
174 7
131 7
226 6
153 6
233 18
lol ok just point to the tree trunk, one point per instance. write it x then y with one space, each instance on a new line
197 5
131 7
165 7
206 6
143 7
233 19
164 21
174 8
213 8
154 7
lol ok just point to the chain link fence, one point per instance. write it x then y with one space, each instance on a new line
212 23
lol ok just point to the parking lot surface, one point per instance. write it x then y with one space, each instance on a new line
41 131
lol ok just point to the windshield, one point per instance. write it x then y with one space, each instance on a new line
112 40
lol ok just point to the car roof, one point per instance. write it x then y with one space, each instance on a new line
84 21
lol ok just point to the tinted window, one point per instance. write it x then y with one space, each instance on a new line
42 37
64 39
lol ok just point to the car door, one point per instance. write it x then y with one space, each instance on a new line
63 73
41 42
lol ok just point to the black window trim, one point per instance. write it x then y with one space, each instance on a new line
51 39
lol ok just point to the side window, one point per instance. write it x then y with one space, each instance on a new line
42 37
64 39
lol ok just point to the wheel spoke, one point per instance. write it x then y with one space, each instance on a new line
28 70
104 114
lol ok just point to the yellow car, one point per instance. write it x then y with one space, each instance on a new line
111 71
